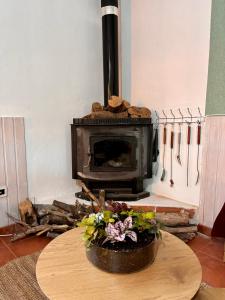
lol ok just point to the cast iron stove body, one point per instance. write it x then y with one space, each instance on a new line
112 154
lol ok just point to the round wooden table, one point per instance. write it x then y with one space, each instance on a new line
63 272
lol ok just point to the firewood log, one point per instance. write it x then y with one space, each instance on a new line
180 229
102 199
82 209
96 106
39 228
59 215
126 104
27 212
173 219
53 219
90 194
115 102
52 235
141 112
108 115
42 208
19 222
117 105
186 236
66 207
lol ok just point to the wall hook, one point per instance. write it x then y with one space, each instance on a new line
182 116
174 117
157 119
189 112
165 116
200 114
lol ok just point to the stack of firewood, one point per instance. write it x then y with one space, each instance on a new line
117 109
178 223
51 220
59 217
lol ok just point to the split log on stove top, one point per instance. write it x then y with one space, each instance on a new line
140 112
117 108
117 105
107 115
96 106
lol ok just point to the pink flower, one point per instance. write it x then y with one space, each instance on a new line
117 232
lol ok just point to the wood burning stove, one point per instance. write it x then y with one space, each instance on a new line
115 155
112 154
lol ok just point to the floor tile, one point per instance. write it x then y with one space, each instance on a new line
199 243
213 270
6 239
5 256
28 246
2 244
215 249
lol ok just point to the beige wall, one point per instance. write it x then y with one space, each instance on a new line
170 49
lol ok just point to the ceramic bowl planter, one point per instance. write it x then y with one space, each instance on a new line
123 261
120 240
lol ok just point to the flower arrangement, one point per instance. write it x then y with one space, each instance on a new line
119 227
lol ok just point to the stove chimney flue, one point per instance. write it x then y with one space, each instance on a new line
110 48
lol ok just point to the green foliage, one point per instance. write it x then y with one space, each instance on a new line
96 224
107 216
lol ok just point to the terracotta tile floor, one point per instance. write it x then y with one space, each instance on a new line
209 251
210 254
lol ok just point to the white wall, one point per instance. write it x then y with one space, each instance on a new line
50 72
126 48
169 54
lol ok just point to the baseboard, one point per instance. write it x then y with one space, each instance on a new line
7 229
204 229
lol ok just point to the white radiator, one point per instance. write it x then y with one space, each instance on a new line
13 168
212 192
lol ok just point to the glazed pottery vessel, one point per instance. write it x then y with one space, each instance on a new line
123 261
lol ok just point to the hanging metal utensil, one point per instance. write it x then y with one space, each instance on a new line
179 144
171 148
179 138
164 147
171 155
164 150
188 150
199 129
155 146
188 143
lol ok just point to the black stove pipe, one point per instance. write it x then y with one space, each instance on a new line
110 48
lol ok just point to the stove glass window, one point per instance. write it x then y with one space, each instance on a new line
113 153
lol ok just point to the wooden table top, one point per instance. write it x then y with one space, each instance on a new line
64 273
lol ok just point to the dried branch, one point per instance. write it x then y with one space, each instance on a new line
90 194
40 229
17 221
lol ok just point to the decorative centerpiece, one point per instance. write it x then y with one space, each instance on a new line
120 240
